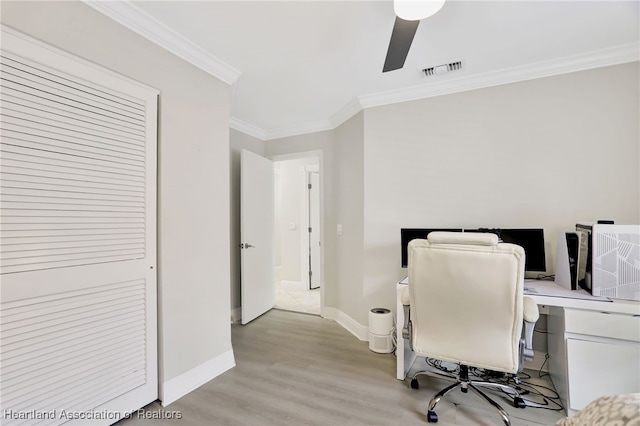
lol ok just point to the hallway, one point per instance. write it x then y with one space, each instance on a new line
306 301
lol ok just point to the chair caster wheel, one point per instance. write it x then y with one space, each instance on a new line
415 384
518 402
432 417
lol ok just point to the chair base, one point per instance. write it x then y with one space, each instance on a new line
465 384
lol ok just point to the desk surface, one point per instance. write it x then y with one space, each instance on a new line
595 304
554 295
614 306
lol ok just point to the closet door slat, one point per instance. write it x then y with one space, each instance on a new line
116 100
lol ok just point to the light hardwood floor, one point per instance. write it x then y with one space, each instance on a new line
298 369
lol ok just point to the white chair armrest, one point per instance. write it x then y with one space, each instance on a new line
406 327
530 316
404 297
530 308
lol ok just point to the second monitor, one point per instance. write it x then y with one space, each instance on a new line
530 239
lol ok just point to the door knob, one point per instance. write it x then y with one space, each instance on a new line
246 245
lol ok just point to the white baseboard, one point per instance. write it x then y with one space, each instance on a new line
236 315
538 363
294 285
176 388
351 325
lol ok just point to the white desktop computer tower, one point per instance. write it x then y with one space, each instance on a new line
612 264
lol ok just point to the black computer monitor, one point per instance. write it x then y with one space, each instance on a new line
532 241
408 234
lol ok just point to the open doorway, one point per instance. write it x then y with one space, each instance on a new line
297 233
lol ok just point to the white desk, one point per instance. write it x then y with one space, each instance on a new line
594 347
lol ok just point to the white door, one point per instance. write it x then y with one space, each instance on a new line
78 329
314 230
258 293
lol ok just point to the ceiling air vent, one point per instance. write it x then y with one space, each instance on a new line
443 69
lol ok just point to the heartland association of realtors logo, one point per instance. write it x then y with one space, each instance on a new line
65 415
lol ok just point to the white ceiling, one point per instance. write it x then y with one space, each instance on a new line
302 66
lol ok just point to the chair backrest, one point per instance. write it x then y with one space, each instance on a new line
465 293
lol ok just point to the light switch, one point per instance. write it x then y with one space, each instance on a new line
339 229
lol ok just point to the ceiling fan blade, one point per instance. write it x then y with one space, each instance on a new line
401 38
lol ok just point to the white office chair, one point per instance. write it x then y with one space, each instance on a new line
464 304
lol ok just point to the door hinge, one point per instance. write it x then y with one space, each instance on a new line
310 273
309 186
309 229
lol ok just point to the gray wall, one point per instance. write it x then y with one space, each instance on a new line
350 213
193 173
542 153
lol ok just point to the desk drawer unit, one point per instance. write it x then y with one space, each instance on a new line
602 324
593 354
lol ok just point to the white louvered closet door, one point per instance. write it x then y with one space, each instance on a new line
77 238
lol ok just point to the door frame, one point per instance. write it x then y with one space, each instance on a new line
305 235
306 212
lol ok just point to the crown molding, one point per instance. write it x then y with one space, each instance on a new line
303 129
346 112
265 135
595 59
247 128
140 22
